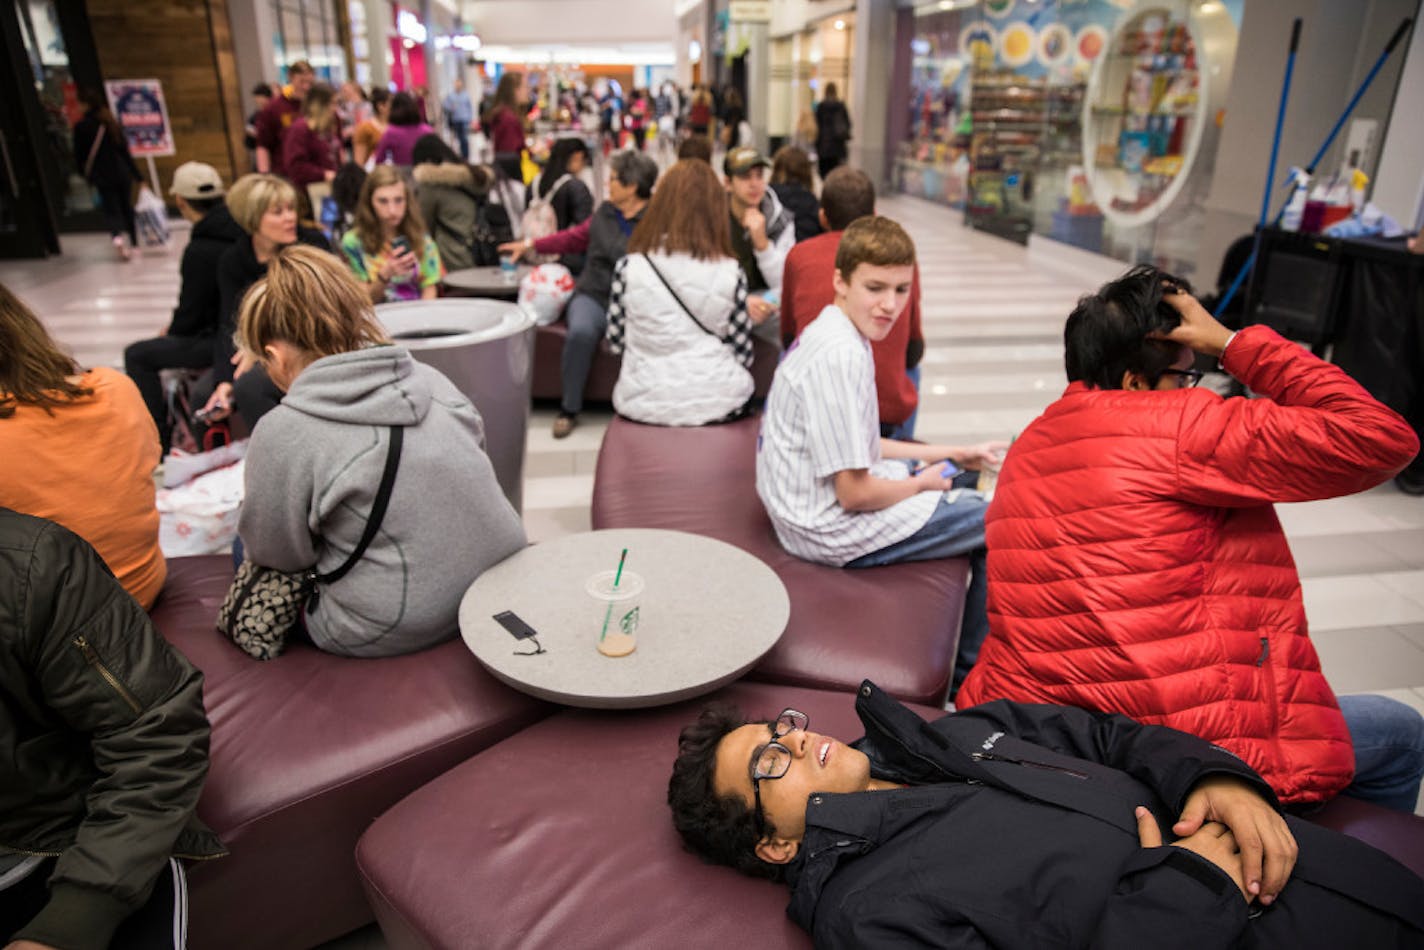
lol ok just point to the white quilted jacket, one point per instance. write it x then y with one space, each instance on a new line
674 373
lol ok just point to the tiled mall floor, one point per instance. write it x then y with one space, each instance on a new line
993 320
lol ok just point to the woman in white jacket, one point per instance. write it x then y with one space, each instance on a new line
678 308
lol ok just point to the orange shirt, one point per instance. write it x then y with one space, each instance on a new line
89 467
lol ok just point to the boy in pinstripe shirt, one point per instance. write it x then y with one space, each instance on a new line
836 492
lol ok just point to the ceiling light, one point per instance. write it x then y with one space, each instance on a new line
839 24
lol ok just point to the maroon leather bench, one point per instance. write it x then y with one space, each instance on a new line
307 750
561 837
896 625
549 350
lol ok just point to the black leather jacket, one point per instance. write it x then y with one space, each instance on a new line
103 738
1018 830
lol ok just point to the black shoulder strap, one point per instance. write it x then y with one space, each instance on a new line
378 508
699 323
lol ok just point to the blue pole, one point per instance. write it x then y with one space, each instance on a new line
1270 170
1325 146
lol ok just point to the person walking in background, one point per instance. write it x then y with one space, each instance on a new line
284 109
832 131
733 114
504 124
639 115
699 113
311 148
313 466
791 180
351 109
100 145
459 113
389 250
80 448
261 95
188 341
405 129
678 309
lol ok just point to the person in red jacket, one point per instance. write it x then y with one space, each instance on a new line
1136 564
846 195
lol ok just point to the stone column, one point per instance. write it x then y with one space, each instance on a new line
872 71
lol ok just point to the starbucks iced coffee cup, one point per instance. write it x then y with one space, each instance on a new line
616 611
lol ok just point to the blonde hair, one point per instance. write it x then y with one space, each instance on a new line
873 240
368 225
252 196
310 300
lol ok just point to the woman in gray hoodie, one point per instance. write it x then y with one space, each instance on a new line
315 462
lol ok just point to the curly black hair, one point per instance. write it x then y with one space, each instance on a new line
719 829
1107 334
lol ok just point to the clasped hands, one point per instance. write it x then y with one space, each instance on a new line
1228 823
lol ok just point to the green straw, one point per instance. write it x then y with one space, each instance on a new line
618 576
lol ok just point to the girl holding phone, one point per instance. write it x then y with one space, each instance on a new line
389 250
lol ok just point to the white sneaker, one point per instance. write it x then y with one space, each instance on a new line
122 246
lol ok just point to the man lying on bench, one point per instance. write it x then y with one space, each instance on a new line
1012 825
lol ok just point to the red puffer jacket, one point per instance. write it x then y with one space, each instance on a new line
1136 564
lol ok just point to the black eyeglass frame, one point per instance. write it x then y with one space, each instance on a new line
757 774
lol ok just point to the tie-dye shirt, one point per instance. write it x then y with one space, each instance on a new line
365 266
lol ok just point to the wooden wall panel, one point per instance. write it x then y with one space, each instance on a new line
186 45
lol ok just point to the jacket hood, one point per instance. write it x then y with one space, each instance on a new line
447 174
778 216
218 225
380 385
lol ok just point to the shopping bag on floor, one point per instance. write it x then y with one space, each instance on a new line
151 219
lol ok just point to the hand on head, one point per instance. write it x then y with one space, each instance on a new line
1198 329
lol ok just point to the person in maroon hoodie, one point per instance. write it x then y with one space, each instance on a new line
311 148
281 112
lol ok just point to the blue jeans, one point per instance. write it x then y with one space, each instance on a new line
956 529
1389 750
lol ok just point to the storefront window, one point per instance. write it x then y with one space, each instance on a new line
1093 123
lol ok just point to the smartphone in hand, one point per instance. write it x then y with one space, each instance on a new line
399 245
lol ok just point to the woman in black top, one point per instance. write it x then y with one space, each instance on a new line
570 200
791 180
103 154
832 131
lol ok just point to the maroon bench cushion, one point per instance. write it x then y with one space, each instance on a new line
561 837
306 750
896 625
1399 835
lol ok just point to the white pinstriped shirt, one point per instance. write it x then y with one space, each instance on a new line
821 418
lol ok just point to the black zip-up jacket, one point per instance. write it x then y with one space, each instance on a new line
103 738
197 313
1018 830
607 241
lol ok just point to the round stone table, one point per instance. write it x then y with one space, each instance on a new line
483 282
709 611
